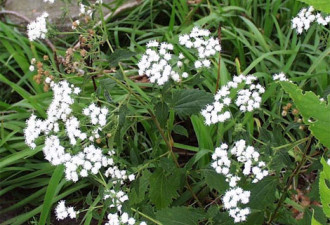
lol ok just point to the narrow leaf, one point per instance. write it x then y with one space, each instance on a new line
51 193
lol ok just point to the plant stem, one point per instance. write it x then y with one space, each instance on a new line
162 133
146 216
289 181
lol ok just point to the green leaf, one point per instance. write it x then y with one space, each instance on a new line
215 181
314 221
139 189
180 216
315 113
51 193
120 55
200 154
280 160
189 102
161 111
263 193
324 189
322 5
178 129
162 189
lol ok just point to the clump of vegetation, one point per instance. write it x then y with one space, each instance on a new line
167 112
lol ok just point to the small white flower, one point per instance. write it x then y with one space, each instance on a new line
49 1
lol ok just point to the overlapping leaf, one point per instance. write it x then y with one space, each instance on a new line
315 112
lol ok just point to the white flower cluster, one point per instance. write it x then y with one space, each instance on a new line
242 156
306 17
280 77
62 212
231 201
97 115
245 155
156 63
59 109
206 47
250 157
72 128
248 99
221 162
90 159
118 176
119 217
115 219
37 29
49 1
117 198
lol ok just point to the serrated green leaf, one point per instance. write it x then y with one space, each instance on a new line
180 216
120 55
322 5
315 113
255 218
161 112
215 181
324 189
139 189
263 193
162 189
189 102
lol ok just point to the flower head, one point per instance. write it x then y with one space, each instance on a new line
38 29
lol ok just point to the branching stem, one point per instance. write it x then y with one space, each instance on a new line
289 181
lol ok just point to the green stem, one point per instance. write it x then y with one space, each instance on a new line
161 131
146 216
289 181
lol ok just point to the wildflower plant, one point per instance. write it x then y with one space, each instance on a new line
163 131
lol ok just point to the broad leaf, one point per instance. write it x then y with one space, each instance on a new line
162 189
120 55
189 102
161 111
324 189
263 193
140 186
315 112
180 216
178 129
322 5
215 181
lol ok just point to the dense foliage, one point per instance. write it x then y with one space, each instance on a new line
241 135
